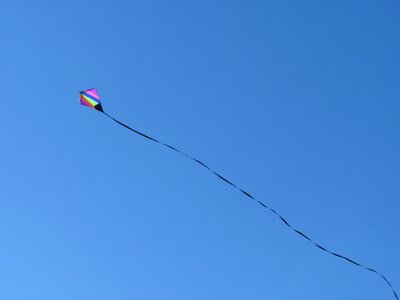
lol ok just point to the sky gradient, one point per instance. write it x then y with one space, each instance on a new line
297 103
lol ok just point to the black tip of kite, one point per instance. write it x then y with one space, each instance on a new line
99 107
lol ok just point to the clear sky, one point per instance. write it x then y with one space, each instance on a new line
297 102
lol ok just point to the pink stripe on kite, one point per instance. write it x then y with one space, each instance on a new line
93 93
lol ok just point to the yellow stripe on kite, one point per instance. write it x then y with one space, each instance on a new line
91 101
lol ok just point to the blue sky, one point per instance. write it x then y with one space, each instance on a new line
297 103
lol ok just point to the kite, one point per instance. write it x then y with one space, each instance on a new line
91 99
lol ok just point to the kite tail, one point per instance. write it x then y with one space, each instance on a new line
259 202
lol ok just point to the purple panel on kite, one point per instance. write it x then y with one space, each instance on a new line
93 93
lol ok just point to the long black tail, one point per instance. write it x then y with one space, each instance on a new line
259 202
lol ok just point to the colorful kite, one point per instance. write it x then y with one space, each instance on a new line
91 99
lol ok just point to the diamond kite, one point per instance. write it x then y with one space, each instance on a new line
91 98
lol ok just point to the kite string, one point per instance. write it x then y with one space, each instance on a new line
259 202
